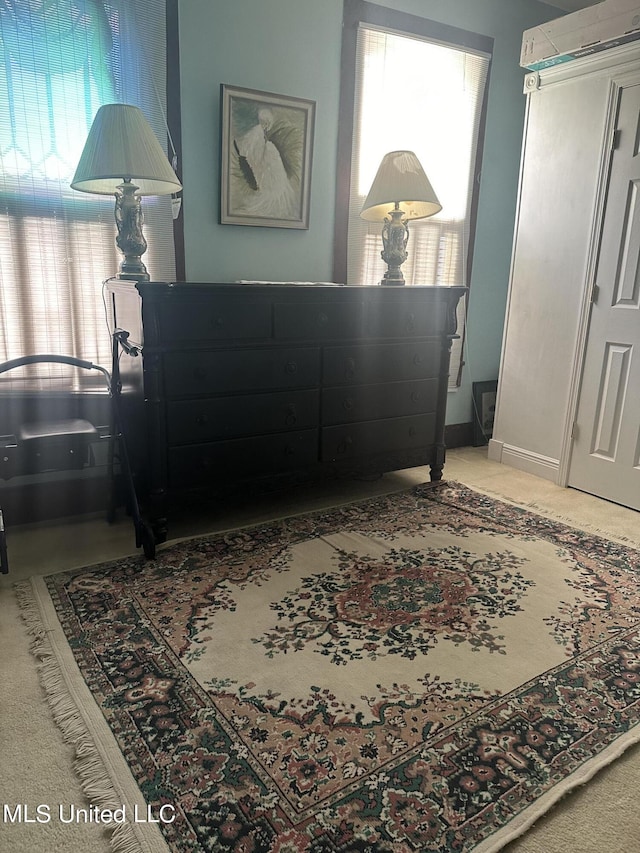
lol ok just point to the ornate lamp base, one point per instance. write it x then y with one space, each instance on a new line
395 234
393 276
130 239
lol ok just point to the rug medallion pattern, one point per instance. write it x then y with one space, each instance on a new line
404 674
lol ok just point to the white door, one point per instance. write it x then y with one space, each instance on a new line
605 458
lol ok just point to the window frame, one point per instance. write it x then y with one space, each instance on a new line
174 122
357 12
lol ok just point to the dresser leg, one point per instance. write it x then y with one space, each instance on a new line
157 514
160 529
437 463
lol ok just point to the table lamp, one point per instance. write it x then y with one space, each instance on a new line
400 191
123 157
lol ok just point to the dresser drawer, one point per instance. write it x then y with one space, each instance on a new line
375 363
372 402
213 319
405 316
199 464
223 372
319 320
350 441
195 421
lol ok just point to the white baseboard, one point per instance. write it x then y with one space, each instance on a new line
524 460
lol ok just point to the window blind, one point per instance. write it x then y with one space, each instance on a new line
425 96
62 60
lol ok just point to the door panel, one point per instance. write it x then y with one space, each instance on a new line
605 458
613 383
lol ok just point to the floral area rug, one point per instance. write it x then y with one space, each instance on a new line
426 671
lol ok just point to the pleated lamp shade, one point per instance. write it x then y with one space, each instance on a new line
400 178
121 145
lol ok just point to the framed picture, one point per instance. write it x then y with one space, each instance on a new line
484 409
267 144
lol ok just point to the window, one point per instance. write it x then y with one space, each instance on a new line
62 60
418 86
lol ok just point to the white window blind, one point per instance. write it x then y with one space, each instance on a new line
424 96
62 60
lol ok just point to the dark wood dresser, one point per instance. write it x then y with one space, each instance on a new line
251 382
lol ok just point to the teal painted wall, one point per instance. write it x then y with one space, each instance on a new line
293 47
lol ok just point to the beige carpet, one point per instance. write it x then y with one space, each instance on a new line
37 766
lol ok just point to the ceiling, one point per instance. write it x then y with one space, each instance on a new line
572 5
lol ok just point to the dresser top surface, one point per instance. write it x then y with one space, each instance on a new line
292 290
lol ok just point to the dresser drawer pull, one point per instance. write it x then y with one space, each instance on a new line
417 359
291 416
415 397
345 444
323 319
291 367
349 368
413 431
347 404
289 450
218 322
410 324
202 420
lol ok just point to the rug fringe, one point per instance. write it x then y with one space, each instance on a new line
588 528
90 769
549 513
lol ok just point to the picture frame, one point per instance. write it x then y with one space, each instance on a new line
484 407
266 153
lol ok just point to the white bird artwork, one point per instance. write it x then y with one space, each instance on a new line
267 169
